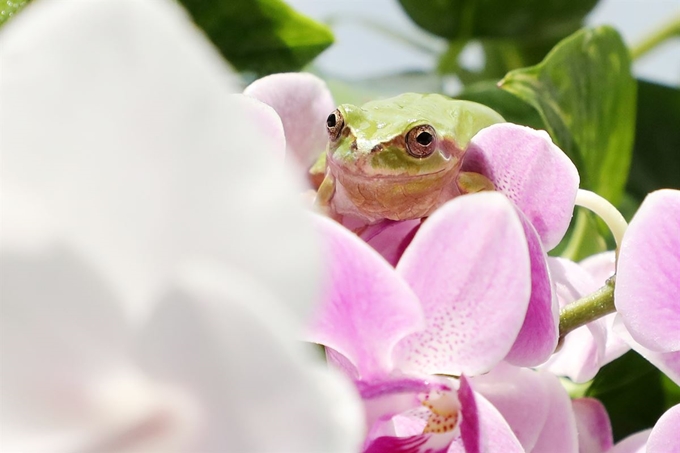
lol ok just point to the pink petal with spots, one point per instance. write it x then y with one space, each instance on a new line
538 336
303 102
534 404
593 425
470 268
583 350
647 285
635 443
483 428
532 171
367 308
664 437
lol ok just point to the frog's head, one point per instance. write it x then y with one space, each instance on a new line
411 145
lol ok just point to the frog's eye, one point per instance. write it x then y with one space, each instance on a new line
420 141
334 125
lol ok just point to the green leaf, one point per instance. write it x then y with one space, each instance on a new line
586 95
498 18
510 107
634 392
261 36
656 156
9 8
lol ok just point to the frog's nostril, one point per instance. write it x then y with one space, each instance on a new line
353 146
376 148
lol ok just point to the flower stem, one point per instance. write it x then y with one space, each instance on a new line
588 308
670 29
605 210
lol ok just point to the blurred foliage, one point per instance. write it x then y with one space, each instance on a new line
586 95
534 19
260 36
634 392
8 8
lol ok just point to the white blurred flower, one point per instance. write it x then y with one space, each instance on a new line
156 268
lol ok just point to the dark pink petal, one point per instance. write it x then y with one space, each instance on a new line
413 444
538 336
482 427
533 403
582 352
526 165
647 285
390 238
664 437
469 266
593 425
635 443
303 102
367 308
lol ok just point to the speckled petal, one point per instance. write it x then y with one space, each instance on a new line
647 291
593 426
538 336
303 102
664 437
526 165
470 268
366 308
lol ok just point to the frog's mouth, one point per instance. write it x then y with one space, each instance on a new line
355 172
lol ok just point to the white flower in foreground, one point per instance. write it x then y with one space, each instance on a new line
156 267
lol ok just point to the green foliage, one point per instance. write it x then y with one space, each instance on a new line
656 156
498 18
634 392
8 8
260 36
586 95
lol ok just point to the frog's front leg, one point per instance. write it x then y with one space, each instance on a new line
325 194
471 182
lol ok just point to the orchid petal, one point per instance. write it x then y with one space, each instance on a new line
303 102
390 238
534 404
532 171
139 162
635 443
668 362
469 266
195 341
537 339
268 122
483 428
600 267
593 426
647 290
583 350
664 436
367 308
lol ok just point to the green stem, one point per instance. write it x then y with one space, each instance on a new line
587 309
670 29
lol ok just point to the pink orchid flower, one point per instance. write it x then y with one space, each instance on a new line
142 306
523 164
454 305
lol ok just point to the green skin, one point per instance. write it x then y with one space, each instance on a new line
369 174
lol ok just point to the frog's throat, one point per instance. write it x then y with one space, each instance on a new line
399 197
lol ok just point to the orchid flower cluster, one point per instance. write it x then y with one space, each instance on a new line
164 283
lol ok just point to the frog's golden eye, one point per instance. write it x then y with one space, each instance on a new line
421 141
334 124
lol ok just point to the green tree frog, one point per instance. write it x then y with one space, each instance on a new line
399 158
